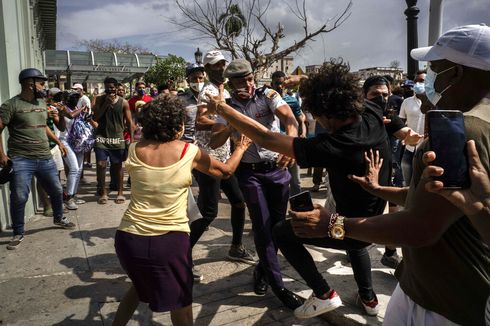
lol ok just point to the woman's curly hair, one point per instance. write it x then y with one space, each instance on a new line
162 119
333 92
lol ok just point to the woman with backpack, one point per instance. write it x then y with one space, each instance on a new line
72 137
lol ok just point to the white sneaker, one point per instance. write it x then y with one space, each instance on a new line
315 306
371 307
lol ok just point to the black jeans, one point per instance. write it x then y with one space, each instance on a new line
292 247
208 199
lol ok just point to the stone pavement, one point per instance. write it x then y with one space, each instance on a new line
73 277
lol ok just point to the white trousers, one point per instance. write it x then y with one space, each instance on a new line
402 311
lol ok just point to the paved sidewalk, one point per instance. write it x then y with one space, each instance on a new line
73 277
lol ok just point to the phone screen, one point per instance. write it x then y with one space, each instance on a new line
448 140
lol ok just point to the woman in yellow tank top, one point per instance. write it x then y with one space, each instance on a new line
152 241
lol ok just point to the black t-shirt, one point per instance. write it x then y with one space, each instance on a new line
342 154
395 124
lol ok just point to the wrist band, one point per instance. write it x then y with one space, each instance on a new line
333 218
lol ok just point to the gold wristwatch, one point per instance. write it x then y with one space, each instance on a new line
337 230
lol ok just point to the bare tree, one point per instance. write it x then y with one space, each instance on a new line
395 64
112 46
250 36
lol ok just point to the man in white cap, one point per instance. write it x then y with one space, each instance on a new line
209 187
444 277
84 100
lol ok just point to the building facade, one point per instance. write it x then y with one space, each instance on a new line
27 28
396 73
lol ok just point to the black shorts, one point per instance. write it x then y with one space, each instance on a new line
117 156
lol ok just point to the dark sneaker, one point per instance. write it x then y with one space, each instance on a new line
70 204
15 242
64 223
260 284
239 253
198 277
390 261
289 299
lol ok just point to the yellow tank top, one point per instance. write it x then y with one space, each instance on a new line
158 195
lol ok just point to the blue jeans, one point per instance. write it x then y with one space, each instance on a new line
47 174
295 184
407 162
74 161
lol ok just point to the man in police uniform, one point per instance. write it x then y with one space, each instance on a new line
262 174
25 115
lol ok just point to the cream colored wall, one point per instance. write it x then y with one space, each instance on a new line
19 49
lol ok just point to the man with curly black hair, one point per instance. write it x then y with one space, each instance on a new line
335 100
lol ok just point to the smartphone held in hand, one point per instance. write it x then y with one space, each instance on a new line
301 202
447 139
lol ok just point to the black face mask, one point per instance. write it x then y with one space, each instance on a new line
216 76
380 101
40 93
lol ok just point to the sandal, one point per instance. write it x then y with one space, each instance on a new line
102 200
120 200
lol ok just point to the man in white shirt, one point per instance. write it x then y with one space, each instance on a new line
414 118
84 100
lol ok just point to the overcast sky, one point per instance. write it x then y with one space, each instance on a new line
374 35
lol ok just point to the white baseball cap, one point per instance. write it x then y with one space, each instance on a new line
213 57
77 86
466 45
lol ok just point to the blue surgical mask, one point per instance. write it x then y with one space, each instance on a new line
430 79
419 88
141 91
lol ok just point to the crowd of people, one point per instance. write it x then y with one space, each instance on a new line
226 134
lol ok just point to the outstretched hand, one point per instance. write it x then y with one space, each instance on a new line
412 138
242 141
213 101
369 181
470 201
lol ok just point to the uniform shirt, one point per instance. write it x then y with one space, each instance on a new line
410 111
203 137
261 107
26 122
190 116
452 275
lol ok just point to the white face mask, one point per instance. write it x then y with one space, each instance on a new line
430 80
196 87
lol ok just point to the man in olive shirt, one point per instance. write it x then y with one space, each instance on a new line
25 116
444 277
111 113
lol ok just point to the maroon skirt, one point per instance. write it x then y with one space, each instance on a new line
160 268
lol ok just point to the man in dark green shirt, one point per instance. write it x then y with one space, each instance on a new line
111 115
25 116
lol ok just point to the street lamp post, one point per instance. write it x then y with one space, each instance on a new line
412 38
198 56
